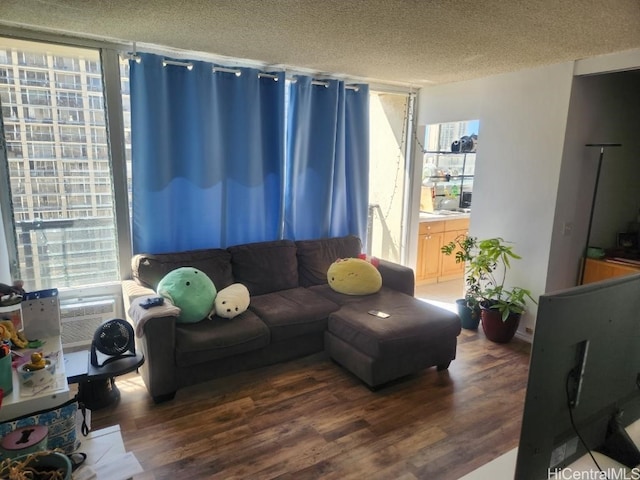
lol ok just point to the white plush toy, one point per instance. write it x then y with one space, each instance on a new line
232 301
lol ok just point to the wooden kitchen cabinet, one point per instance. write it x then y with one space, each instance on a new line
449 269
429 244
448 265
432 265
596 270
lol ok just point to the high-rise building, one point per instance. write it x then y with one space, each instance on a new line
57 157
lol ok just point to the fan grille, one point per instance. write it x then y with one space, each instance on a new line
113 337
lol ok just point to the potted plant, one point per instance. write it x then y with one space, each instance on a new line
501 307
464 247
486 298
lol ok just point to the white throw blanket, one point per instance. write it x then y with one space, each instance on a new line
140 316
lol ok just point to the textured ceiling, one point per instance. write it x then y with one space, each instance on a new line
409 42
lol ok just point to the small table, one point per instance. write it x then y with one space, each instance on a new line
96 385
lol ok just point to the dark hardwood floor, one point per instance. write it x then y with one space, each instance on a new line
309 418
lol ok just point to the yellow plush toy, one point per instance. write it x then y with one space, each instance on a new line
354 276
8 332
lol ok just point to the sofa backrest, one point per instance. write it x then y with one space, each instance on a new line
265 267
148 269
315 257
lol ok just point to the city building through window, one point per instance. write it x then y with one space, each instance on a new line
57 161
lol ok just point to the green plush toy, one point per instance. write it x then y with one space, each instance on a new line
191 290
354 276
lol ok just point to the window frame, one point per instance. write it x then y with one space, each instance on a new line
110 77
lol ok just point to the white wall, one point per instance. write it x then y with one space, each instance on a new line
523 118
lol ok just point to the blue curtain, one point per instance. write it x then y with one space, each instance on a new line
207 156
327 160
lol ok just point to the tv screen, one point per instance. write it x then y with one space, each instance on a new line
584 372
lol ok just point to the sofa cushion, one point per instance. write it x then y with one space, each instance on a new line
315 256
265 267
294 312
198 343
341 298
413 324
148 269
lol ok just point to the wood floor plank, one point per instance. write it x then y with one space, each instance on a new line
310 419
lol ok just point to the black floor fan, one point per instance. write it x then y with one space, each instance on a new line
113 343
114 340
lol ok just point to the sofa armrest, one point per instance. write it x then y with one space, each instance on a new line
397 277
157 344
132 290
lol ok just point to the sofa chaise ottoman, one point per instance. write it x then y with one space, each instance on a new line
378 350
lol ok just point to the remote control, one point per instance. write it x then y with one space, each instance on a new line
152 302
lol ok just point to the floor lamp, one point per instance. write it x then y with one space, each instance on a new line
601 146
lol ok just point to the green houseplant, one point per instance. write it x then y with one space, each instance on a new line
501 307
487 264
463 247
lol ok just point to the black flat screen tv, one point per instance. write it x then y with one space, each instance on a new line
584 376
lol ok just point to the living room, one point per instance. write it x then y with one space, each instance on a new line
545 215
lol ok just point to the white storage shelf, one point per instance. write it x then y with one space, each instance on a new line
19 403
449 174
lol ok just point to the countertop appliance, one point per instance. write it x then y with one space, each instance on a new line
465 201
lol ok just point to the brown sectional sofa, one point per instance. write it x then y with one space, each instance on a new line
293 312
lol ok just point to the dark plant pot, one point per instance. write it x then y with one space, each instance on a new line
495 329
470 318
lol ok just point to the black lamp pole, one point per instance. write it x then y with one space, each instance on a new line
602 146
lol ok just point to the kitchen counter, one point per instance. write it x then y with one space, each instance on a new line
435 217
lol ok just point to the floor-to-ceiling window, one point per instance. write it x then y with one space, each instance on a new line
58 165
